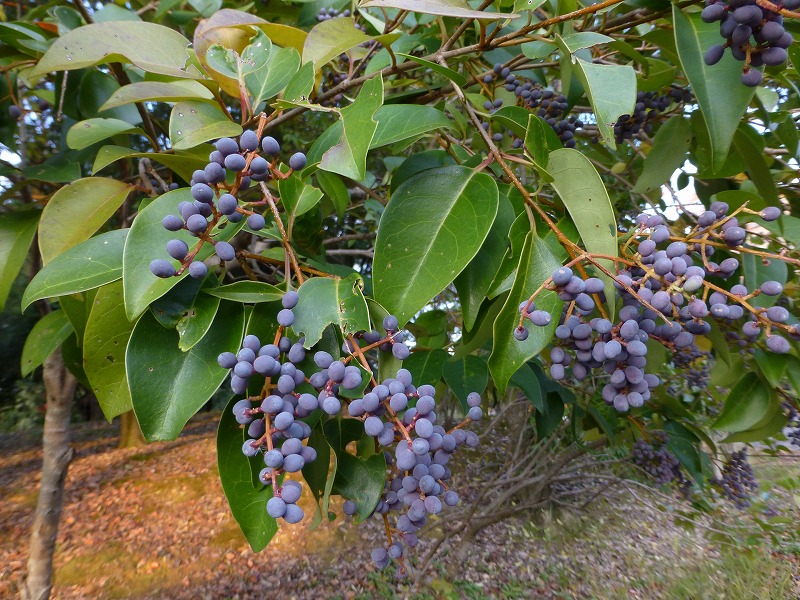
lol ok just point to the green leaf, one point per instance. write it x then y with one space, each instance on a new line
250 292
396 123
453 76
466 375
16 235
772 366
683 444
267 69
576 41
330 38
167 385
452 210
76 211
426 366
88 132
195 324
445 8
77 308
248 505
317 474
769 430
668 153
104 342
722 112
300 85
152 48
170 308
746 405
611 90
473 283
537 144
147 236
349 156
527 381
583 193
297 196
536 264
193 122
323 301
756 273
360 480
160 91
749 145
182 163
47 334
56 169
335 190
90 264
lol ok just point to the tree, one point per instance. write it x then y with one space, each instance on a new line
584 206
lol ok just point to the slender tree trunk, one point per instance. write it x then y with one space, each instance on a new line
130 434
59 390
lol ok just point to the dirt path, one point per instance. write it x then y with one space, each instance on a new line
153 523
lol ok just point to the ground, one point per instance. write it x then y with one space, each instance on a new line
153 523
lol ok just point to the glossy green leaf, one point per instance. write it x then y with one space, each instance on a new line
426 366
170 308
349 156
611 90
300 85
198 320
104 341
445 8
297 196
330 38
536 264
267 69
318 474
167 385
722 111
182 163
747 404
88 132
77 308
146 239
527 381
76 211
161 91
90 264
335 190
152 48
749 145
452 210
768 431
453 76
466 375
250 292
583 193
47 334
396 123
670 145
193 122
323 301
772 366
756 273
360 480
537 144
16 235
576 41
56 169
248 505
474 281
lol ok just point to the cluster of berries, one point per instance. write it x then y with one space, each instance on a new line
215 199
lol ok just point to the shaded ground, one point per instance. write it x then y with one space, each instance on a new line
153 523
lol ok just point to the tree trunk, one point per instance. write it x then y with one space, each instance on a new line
130 434
57 454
